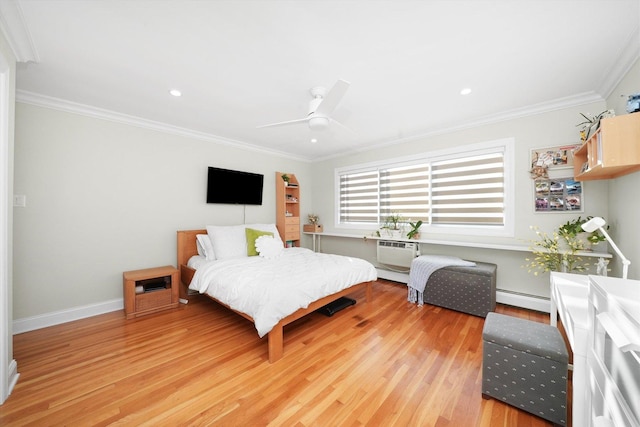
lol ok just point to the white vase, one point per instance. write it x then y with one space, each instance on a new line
584 239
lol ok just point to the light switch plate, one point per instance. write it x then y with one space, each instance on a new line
19 200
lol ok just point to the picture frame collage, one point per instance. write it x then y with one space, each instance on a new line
556 192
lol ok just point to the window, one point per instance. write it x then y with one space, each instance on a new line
469 188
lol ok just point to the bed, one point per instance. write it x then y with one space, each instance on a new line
225 278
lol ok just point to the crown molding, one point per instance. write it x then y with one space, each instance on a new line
16 32
86 110
531 110
628 56
32 98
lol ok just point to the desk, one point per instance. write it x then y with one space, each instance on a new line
570 300
317 237
606 378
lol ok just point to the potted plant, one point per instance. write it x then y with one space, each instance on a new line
573 230
391 225
286 179
414 232
591 124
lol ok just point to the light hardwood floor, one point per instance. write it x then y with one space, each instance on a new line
384 363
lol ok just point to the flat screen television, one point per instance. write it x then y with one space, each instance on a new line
234 187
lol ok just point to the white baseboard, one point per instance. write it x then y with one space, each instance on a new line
531 302
63 316
13 376
27 324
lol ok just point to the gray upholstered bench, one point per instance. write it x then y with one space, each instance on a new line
468 289
525 365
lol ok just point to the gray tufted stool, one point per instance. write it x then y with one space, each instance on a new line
471 290
525 365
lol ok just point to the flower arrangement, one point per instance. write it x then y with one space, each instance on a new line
313 219
555 252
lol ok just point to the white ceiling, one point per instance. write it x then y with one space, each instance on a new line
241 64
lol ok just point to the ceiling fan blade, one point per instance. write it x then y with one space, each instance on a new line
289 122
344 127
332 98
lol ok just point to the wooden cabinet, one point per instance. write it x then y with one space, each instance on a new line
150 290
612 151
288 209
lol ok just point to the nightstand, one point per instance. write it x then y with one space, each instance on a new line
150 290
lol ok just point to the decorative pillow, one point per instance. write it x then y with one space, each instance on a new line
252 235
266 227
205 247
268 247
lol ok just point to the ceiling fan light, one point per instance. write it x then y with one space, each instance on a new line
318 123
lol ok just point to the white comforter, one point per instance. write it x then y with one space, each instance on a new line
269 290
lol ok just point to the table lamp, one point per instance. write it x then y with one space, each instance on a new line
597 223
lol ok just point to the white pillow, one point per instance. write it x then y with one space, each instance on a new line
268 247
205 247
230 241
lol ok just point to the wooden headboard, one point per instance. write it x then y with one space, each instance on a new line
186 249
187 245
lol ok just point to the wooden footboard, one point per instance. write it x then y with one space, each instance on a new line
187 248
275 336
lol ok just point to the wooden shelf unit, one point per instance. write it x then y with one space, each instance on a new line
160 298
612 151
288 209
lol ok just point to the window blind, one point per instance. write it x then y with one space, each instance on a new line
461 189
405 190
359 197
468 190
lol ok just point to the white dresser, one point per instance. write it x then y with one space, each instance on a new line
601 316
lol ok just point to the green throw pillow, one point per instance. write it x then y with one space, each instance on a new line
252 235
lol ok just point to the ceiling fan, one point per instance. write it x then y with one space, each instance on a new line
320 107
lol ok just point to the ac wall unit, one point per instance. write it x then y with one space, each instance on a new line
398 254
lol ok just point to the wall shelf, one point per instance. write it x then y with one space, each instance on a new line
612 151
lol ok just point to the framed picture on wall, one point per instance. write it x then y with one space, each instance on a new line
558 195
556 157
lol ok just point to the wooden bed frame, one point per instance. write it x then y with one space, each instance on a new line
187 248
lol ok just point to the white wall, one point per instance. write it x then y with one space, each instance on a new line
106 197
542 130
8 366
624 203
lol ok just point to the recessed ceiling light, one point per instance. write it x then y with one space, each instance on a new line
314 140
465 91
175 92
